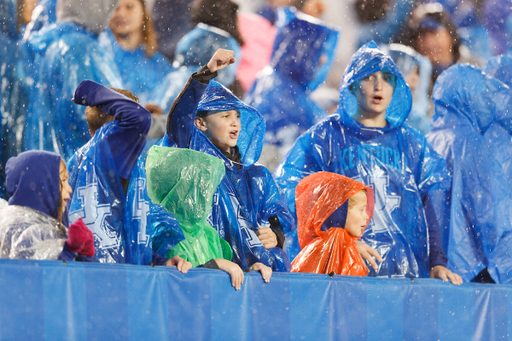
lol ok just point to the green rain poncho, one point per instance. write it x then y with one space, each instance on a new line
183 181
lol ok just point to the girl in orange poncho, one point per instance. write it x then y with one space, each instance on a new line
327 249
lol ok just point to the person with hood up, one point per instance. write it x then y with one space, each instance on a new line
14 77
105 193
471 129
416 70
303 53
328 248
31 224
368 141
215 27
249 211
184 181
69 53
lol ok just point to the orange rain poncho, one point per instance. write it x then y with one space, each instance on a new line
317 196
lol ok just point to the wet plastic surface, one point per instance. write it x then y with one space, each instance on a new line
318 196
184 181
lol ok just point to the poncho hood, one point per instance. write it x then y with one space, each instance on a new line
301 42
33 180
366 61
250 140
318 195
463 94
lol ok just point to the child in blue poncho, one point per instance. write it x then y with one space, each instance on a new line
249 211
368 141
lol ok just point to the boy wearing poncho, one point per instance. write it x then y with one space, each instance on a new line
328 248
183 181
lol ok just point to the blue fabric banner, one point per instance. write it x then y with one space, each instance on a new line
86 301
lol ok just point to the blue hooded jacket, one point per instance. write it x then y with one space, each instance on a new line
96 170
193 51
69 53
281 91
245 198
148 70
396 161
471 129
29 226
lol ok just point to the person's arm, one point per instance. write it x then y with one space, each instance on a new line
181 264
128 138
180 121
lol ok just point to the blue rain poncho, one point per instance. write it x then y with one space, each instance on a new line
281 91
140 74
193 51
245 198
15 87
408 177
69 53
44 14
471 129
408 61
118 221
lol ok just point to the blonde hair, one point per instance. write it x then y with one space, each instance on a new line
148 32
61 205
352 200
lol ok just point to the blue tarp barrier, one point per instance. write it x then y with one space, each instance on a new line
54 301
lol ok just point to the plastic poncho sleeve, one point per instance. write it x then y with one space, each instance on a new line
180 122
132 123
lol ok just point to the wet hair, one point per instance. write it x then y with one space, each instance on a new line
369 11
61 206
148 32
217 13
96 118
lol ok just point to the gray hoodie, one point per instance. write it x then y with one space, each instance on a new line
93 15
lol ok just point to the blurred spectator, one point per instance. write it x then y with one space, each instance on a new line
44 14
196 48
133 40
172 22
303 54
14 16
498 20
416 70
431 32
69 52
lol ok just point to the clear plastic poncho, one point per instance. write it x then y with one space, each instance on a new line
407 176
317 196
245 197
194 51
183 181
304 50
68 53
471 129
28 225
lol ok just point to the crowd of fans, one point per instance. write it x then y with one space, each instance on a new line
282 135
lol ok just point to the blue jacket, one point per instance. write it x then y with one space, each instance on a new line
193 51
281 91
140 74
408 177
96 170
68 54
471 129
245 197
